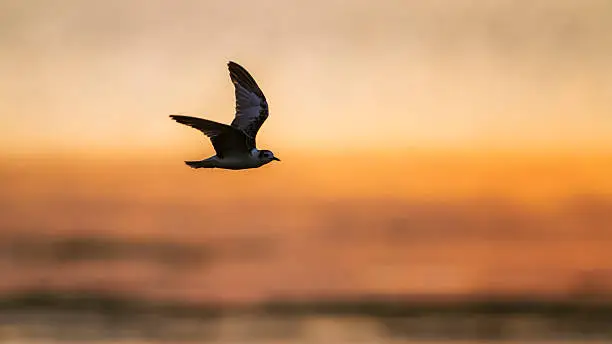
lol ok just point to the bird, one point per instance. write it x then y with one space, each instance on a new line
234 144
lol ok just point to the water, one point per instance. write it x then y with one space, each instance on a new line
83 327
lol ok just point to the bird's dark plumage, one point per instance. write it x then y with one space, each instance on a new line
225 138
251 104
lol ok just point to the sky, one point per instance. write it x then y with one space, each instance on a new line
339 75
423 144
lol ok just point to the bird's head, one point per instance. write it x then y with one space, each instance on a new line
265 156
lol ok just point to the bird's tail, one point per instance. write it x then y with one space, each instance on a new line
201 164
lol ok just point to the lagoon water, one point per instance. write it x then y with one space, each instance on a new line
59 327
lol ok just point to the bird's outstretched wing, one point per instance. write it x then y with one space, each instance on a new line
251 104
225 139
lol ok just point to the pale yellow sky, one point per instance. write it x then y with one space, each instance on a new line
338 74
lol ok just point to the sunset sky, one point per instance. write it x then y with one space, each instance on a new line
100 76
470 119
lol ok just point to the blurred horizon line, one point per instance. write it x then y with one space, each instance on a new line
87 153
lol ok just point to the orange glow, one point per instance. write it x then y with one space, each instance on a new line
423 145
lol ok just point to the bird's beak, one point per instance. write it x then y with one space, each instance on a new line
275 158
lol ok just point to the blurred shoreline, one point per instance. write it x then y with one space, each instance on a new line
80 313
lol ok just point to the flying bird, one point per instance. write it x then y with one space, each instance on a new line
234 144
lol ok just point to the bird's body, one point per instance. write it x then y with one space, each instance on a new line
230 162
235 144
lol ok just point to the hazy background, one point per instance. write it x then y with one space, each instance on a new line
442 148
